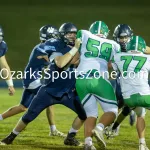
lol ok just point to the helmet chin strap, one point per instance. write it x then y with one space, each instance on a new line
71 44
42 39
70 41
118 40
123 44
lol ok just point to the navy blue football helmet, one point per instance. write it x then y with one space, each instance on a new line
48 31
1 34
120 32
65 29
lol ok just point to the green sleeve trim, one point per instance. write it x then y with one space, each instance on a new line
112 60
79 34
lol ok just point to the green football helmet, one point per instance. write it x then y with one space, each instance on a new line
99 28
136 43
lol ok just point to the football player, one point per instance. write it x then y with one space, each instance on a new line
134 68
32 84
95 53
122 35
5 70
55 91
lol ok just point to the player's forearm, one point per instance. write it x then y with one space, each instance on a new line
6 72
75 60
7 75
62 61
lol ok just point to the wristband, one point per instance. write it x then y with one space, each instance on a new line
10 82
73 51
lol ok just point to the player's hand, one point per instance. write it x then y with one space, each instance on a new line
77 43
43 57
11 90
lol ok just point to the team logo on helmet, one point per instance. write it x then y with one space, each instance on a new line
50 30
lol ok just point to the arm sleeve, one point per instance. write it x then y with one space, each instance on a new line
79 34
42 50
46 48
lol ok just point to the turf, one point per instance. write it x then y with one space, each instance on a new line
36 135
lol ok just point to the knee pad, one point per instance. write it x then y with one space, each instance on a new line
80 110
114 110
126 111
29 116
140 111
92 114
91 107
108 107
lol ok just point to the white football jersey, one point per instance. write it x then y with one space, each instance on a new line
95 53
134 68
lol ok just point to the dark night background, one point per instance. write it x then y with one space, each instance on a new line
21 20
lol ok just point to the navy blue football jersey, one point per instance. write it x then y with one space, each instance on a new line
33 70
3 48
65 81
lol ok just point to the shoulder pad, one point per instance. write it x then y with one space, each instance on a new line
3 48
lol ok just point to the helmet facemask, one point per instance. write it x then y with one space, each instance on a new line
1 35
123 41
122 35
70 38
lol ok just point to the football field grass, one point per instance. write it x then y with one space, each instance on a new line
36 135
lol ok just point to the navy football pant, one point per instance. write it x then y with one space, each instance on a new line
27 96
43 100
